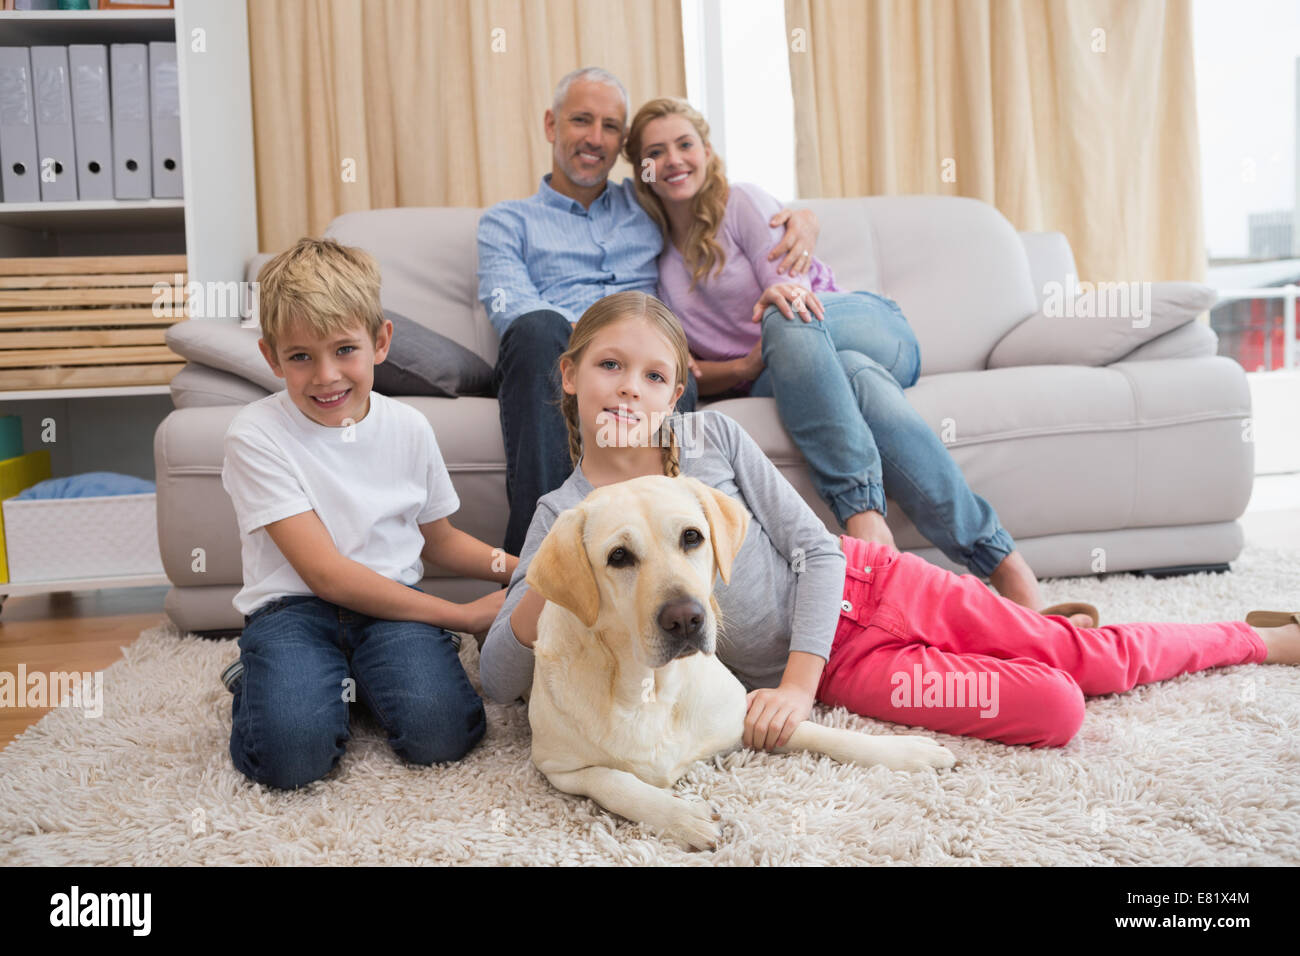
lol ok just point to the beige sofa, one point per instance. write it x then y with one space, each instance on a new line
1135 464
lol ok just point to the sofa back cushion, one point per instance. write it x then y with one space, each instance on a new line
955 265
429 260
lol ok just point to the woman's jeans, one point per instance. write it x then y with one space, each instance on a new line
838 385
305 660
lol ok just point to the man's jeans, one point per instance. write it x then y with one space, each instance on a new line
289 719
838 385
527 385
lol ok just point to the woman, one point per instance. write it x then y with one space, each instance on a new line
836 363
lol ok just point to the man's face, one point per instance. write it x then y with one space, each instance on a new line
329 378
587 134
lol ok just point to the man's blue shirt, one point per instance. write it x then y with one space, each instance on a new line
548 252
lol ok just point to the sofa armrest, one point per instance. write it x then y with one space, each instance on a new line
1100 324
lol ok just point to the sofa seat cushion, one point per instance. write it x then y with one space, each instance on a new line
1064 448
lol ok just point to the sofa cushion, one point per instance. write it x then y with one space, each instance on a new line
422 362
1187 341
428 257
197 385
1059 449
955 265
1103 327
226 346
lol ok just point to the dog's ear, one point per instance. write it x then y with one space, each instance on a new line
560 571
728 522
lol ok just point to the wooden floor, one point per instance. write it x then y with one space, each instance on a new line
78 631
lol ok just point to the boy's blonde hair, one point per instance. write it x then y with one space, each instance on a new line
614 308
326 286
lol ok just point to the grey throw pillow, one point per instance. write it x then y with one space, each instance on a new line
422 362
1101 329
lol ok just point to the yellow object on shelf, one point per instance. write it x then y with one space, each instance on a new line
18 474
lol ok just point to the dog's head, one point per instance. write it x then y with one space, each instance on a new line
639 558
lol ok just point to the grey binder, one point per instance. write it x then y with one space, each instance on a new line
129 83
91 126
20 176
165 111
55 151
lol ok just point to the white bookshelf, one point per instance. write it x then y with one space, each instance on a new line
214 225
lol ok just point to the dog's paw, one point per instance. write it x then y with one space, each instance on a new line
922 753
694 825
911 754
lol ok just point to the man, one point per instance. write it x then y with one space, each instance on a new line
542 261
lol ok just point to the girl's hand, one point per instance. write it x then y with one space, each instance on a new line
774 714
789 298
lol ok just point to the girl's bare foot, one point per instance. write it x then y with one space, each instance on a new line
1283 643
1015 581
870 526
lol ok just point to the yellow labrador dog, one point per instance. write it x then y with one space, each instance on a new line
627 692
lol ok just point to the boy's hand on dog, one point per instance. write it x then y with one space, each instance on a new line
773 714
480 614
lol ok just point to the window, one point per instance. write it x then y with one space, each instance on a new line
738 76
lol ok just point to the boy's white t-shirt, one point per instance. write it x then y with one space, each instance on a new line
371 484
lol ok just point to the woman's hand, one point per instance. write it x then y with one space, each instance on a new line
789 298
752 365
774 714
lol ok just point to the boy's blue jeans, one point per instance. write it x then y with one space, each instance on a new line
289 719
838 385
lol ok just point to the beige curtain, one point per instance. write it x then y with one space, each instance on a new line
1076 116
428 102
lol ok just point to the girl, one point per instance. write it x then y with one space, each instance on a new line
838 380
890 636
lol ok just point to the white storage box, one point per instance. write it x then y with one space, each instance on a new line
54 539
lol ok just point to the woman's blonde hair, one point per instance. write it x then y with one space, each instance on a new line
615 308
702 252
325 285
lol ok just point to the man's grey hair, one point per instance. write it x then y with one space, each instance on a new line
593 74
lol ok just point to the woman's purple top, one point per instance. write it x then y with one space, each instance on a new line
716 314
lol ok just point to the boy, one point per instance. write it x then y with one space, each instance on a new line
339 492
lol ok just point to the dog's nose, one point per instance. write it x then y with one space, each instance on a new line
682 618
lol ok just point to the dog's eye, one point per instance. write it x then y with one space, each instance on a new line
691 538
621 558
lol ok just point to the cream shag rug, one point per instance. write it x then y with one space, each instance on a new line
1200 770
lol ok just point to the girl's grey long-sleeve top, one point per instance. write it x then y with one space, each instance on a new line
768 610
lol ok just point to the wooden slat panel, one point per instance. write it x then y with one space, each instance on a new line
82 338
71 318
134 296
93 377
64 265
34 358
102 280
